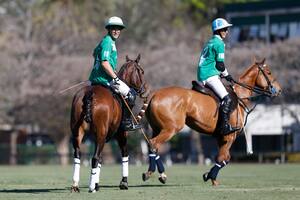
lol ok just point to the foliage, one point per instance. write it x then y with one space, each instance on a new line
46 46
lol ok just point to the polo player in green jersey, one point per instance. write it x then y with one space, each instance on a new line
211 66
104 69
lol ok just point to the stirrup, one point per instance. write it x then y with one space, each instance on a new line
228 129
131 126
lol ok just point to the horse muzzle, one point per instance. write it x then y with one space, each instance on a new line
274 92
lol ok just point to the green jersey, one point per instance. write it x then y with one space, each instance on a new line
105 51
213 51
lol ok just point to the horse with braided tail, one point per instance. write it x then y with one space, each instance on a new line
169 109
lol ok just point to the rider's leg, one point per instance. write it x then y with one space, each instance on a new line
216 84
127 121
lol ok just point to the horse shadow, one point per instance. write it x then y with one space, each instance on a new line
33 191
62 190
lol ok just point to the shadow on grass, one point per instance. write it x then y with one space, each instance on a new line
138 186
37 191
32 191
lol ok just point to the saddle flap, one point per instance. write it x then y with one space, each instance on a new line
200 87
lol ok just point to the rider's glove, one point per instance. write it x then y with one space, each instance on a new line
119 86
229 78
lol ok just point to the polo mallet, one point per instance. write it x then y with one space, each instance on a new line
135 120
73 86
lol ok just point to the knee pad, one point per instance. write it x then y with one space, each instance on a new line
131 96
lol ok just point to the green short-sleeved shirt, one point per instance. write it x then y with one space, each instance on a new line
105 51
213 51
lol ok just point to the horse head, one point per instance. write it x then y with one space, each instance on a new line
133 75
258 78
266 80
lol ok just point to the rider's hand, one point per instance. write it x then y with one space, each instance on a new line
229 78
119 86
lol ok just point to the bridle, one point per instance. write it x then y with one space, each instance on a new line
270 91
142 88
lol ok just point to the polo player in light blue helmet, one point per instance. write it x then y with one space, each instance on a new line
211 66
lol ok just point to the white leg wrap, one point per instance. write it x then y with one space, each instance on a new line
93 179
98 173
76 171
125 166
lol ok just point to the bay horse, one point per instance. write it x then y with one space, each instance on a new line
171 108
106 115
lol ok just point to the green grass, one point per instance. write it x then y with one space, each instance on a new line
238 181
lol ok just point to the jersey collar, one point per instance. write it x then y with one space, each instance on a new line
217 36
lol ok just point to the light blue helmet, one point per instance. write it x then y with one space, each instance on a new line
219 23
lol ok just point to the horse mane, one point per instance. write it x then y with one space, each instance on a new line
250 68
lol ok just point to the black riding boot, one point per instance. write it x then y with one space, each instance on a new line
226 128
127 123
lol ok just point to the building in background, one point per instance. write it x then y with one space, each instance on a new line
269 20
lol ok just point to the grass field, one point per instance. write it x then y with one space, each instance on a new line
238 181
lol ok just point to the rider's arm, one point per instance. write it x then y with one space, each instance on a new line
220 66
108 69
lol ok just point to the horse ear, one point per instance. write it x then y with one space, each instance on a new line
254 59
263 61
127 58
138 58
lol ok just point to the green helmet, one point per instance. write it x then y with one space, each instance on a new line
114 21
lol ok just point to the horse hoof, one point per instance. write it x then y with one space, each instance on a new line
123 185
75 189
92 191
97 187
146 176
205 177
215 183
163 178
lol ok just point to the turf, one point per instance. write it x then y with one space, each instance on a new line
238 181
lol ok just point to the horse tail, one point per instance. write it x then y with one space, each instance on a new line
87 106
146 104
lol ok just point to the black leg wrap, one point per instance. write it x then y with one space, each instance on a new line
95 162
152 166
213 173
159 164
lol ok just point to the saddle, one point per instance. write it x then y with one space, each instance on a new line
206 90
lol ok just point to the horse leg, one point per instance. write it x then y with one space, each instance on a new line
221 161
154 158
76 140
96 166
122 141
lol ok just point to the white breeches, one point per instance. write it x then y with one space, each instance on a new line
216 84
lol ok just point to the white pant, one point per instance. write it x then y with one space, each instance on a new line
216 84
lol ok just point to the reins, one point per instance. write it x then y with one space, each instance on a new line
260 91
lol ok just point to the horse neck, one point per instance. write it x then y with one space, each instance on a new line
123 75
249 79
